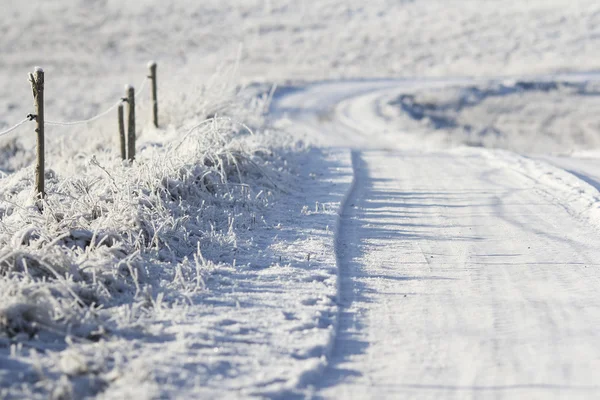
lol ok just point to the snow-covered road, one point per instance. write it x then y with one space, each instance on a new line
464 272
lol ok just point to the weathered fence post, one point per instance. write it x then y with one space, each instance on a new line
37 85
130 93
122 133
152 76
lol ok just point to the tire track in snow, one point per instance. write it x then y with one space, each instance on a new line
345 248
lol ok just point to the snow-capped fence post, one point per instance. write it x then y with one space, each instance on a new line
122 133
152 76
37 85
130 94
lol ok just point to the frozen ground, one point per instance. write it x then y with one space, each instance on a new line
416 217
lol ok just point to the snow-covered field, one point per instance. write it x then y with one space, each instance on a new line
413 212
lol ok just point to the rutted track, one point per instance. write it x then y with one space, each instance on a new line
461 275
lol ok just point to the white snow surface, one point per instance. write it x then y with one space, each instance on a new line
413 213
465 272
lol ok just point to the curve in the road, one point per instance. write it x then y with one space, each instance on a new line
461 276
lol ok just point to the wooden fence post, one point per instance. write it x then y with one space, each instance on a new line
37 85
152 76
122 133
130 93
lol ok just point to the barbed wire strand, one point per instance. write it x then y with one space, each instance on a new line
85 121
9 130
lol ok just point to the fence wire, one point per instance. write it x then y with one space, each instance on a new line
9 130
141 89
85 121
102 114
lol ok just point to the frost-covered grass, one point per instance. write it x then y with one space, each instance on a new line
114 242
199 269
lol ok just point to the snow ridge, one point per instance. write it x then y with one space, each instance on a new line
574 194
309 377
